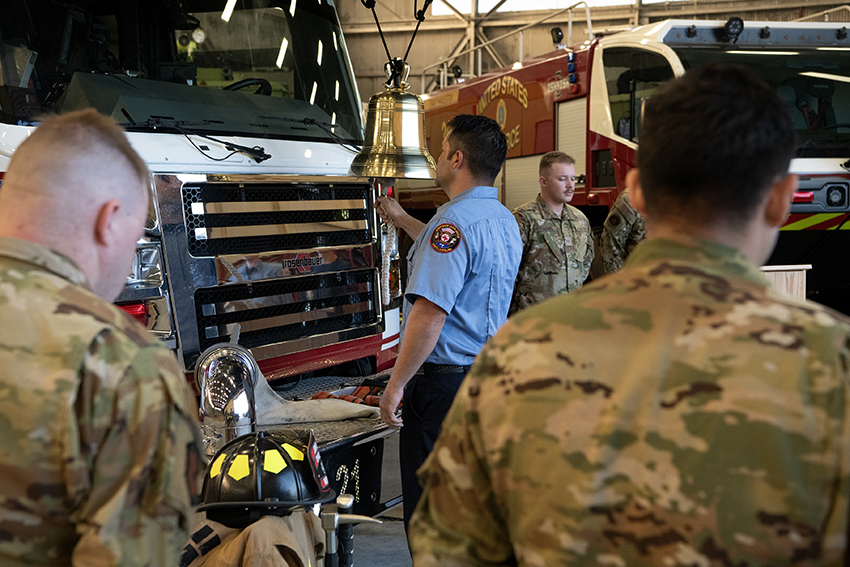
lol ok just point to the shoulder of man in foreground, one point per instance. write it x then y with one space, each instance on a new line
134 454
135 460
527 210
483 473
528 205
159 479
574 308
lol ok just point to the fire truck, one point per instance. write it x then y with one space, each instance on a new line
586 100
248 116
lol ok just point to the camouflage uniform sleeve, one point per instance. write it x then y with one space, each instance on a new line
637 234
457 520
617 232
524 228
524 232
588 253
140 458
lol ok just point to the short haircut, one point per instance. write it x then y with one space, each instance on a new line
714 141
68 135
95 126
482 143
549 159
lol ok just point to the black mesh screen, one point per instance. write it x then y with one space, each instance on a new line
236 193
298 292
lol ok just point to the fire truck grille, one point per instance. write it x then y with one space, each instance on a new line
276 311
224 219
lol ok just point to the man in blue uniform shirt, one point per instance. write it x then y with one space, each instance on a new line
462 268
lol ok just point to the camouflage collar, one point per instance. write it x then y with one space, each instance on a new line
44 257
689 249
547 213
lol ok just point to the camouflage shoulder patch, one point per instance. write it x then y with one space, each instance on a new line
445 238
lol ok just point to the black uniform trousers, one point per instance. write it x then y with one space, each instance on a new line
426 401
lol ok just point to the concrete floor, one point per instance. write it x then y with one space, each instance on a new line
382 545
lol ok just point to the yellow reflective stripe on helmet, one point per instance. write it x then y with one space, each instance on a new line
240 468
216 466
273 461
294 452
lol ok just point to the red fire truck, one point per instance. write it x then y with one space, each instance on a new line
586 100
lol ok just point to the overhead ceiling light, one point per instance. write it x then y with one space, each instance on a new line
757 52
282 53
828 76
228 10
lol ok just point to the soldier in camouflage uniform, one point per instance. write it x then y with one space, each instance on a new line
624 229
101 452
677 413
556 237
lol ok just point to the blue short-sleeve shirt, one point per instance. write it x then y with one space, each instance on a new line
465 261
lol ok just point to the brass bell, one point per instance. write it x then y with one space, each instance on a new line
395 132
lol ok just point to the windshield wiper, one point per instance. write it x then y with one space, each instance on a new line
257 153
324 126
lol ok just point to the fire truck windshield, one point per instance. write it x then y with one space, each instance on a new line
243 67
815 83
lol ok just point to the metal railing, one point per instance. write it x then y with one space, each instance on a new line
825 14
444 63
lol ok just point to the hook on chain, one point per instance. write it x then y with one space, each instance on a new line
420 14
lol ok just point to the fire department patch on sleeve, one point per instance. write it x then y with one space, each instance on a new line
445 238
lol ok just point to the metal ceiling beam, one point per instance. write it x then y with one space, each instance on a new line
502 19
449 61
403 27
492 10
490 50
473 24
457 13
522 28
824 13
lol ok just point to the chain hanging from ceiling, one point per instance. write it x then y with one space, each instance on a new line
396 65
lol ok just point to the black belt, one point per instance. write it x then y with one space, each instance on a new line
430 369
